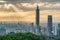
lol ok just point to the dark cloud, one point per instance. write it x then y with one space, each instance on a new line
45 8
50 0
21 1
32 1
25 8
33 9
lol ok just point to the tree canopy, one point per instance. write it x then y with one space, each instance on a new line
21 36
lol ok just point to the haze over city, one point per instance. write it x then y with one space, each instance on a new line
40 17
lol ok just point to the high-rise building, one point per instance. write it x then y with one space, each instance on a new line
37 16
50 24
58 33
37 19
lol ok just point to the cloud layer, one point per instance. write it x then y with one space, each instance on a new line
26 9
27 1
29 5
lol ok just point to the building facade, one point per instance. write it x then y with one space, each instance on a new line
50 24
58 33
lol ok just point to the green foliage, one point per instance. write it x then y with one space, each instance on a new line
57 38
21 36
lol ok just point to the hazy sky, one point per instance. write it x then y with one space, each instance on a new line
25 10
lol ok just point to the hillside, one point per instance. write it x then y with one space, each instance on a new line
21 36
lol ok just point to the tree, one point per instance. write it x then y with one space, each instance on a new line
21 36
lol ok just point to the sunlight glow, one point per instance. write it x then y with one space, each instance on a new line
7 5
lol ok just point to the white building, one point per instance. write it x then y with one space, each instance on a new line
55 28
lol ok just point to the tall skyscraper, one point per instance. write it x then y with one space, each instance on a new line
37 16
50 24
37 20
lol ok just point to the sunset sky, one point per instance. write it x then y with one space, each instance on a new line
25 10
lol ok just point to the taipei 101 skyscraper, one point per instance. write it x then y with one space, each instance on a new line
37 19
37 15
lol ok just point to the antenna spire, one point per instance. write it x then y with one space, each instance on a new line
37 3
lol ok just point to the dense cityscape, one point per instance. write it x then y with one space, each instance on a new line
38 28
18 24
